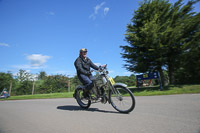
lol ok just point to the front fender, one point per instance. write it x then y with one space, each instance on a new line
115 85
120 84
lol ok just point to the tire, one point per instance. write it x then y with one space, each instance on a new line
123 100
84 103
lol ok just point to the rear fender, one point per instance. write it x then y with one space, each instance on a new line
78 87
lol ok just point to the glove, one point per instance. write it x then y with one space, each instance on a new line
88 73
100 69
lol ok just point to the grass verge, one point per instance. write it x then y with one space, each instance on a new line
41 96
167 90
147 91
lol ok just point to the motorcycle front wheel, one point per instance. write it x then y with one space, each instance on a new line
84 103
122 99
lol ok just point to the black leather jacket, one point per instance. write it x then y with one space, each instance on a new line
83 65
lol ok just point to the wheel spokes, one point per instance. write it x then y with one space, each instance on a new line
121 99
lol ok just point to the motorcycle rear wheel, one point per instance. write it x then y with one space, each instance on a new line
122 99
83 102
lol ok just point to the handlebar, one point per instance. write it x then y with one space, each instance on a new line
101 68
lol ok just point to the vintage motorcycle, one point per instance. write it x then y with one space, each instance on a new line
106 90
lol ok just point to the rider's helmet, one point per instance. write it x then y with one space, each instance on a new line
83 50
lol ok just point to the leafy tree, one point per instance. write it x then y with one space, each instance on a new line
128 80
42 75
24 88
75 82
189 71
183 36
54 83
23 75
157 34
24 85
5 80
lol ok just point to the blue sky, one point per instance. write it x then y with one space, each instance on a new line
46 35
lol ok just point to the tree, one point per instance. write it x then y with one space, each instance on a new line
42 75
54 83
24 85
23 75
157 34
5 80
182 36
75 82
128 80
189 71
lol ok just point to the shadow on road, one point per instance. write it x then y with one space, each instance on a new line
78 108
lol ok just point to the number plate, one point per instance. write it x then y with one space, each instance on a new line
112 81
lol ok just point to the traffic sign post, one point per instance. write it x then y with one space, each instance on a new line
149 76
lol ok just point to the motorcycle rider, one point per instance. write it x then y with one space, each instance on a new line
83 64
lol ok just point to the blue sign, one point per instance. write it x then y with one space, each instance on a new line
154 75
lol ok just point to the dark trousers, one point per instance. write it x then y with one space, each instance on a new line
86 80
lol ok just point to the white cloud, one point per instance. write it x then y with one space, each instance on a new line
25 66
4 44
111 71
97 8
51 13
21 66
37 60
106 10
61 72
97 64
92 16
34 77
66 73
127 73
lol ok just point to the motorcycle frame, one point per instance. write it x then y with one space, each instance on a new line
109 87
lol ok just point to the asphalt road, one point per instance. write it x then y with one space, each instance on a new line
152 114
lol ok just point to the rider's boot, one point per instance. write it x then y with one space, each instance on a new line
86 93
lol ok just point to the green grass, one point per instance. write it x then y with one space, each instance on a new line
147 91
167 90
41 96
